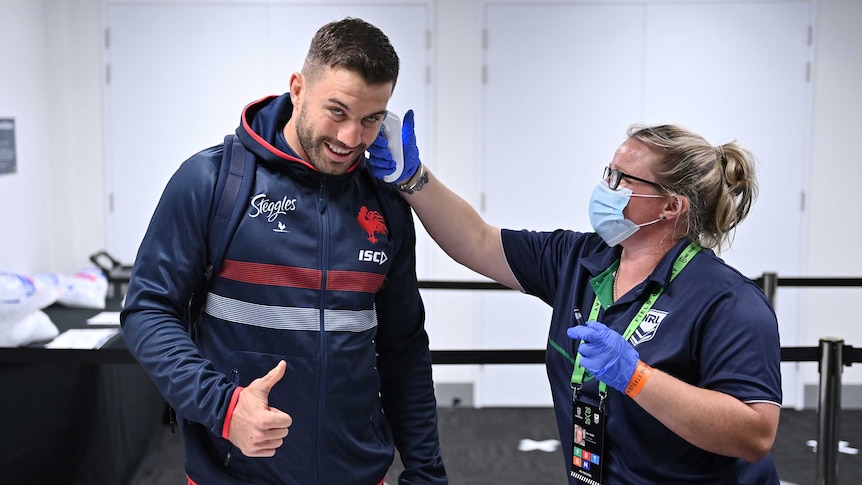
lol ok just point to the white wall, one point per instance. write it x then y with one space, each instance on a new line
834 201
52 210
25 196
74 135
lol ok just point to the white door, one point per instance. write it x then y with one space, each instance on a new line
562 88
181 73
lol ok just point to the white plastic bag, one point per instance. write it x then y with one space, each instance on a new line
21 300
21 295
87 288
35 327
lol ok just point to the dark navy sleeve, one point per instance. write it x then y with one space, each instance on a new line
169 263
536 258
404 363
739 347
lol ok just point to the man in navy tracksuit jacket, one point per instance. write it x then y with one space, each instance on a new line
320 274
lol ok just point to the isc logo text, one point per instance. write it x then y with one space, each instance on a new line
378 257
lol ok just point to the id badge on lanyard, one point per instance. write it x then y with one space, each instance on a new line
588 422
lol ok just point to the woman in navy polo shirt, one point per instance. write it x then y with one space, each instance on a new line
663 357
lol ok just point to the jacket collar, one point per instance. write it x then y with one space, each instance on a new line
260 124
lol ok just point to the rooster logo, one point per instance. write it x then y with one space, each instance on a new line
372 222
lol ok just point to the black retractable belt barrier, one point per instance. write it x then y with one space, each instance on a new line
831 355
828 413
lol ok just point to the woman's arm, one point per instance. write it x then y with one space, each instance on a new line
458 229
453 224
711 420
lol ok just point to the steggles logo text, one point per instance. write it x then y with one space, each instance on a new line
262 205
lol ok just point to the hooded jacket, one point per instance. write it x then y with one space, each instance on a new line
312 276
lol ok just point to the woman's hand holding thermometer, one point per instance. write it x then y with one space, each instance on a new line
391 130
394 156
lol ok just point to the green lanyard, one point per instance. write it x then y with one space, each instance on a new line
678 265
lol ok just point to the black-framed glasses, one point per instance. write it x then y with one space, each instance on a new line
614 176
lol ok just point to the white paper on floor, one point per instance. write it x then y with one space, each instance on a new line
548 446
843 447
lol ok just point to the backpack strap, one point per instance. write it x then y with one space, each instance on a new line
233 186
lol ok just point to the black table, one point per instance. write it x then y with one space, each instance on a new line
75 416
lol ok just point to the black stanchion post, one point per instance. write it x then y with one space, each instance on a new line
769 285
831 367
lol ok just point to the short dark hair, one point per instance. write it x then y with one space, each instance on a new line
356 45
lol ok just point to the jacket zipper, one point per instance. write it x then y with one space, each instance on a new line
233 378
321 390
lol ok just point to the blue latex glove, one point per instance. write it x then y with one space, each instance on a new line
605 354
380 161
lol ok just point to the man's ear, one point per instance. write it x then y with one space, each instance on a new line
297 88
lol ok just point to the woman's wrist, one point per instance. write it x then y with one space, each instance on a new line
415 183
639 379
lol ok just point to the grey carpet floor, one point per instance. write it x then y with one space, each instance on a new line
481 446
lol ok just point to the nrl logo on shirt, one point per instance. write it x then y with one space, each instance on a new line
648 327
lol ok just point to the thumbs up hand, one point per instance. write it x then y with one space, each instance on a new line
256 428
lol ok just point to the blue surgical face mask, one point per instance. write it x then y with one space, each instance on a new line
606 213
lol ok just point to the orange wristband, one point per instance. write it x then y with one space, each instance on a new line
638 380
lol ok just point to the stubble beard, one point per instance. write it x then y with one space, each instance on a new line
313 147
